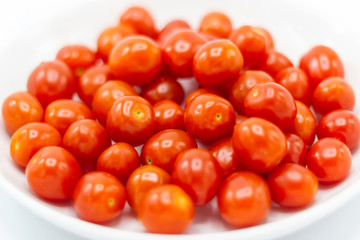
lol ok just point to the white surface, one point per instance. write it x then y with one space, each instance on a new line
23 45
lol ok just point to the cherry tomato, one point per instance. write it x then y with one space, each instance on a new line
106 95
239 118
331 94
292 185
321 62
163 147
274 62
121 159
131 120
99 197
330 160
341 124
51 81
62 113
305 123
198 92
53 173
166 209
209 117
216 23
30 138
171 28
216 63
267 35
272 102
168 115
296 150
223 153
197 172
244 199
260 144
243 84
142 180
179 50
19 109
296 82
136 60
140 19
164 88
86 140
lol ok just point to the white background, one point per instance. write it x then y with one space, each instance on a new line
17 222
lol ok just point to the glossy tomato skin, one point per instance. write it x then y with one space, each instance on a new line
62 113
19 109
272 102
330 160
197 172
166 209
242 210
120 160
168 115
86 140
296 82
53 173
106 95
163 147
241 86
269 41
341 124
321 62
164 88
131 119
142 180
30 138
274 62
296 150
136 60
260 144
240 118
179 50
170 28
99 197
209 117
292 185
198 92
331 94
51 81
217 24
216 63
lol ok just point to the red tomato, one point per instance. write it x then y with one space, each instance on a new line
86 140
330 160
163 147
216 23
131 120
106 95
332 94
267 35
53 173
243 84
223 153
30 138
136 60
142 180
260 143
62 113
209 117
19 109
51 81
197 172
164 88
296 150
239 118
121 159
244 199
166 209
216 63
168 115
171 28
272 102
274 62
341 124
292 185
198 92
179 50
99 197
296 82
321 62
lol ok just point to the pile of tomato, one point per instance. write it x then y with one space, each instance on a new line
251 108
